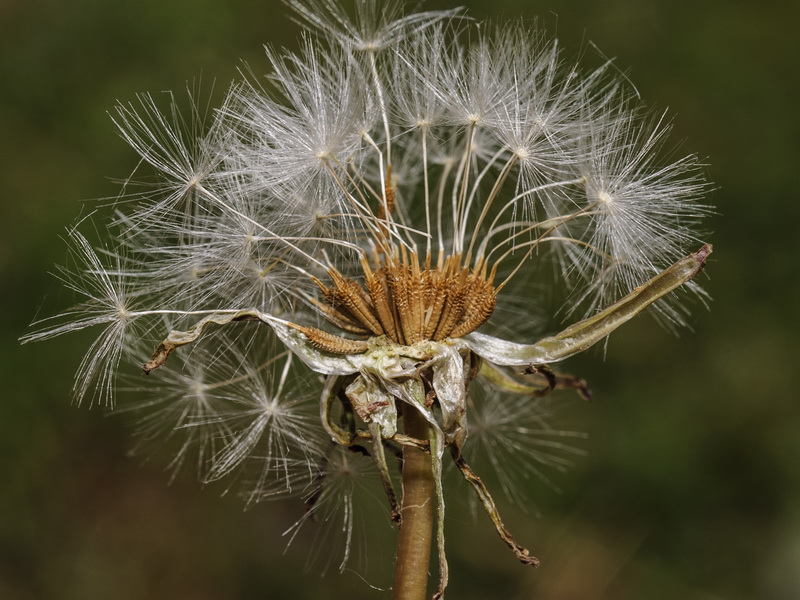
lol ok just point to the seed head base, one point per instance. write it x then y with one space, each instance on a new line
405 300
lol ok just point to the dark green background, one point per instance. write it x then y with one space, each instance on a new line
691 488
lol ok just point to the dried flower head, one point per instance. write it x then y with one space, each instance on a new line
360 214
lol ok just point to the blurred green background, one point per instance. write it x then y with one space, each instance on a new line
691 486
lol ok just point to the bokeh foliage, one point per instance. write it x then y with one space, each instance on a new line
691 486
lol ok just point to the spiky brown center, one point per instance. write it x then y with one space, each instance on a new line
405 301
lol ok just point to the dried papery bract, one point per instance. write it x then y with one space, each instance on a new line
342 230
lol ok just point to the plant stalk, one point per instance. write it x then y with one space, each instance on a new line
416 529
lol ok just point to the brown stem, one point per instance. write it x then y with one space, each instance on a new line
416 529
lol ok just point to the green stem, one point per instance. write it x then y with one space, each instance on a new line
416 529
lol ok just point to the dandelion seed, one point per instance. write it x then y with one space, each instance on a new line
340 503
107 301
511 438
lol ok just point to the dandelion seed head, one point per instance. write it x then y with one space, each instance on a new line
324 251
